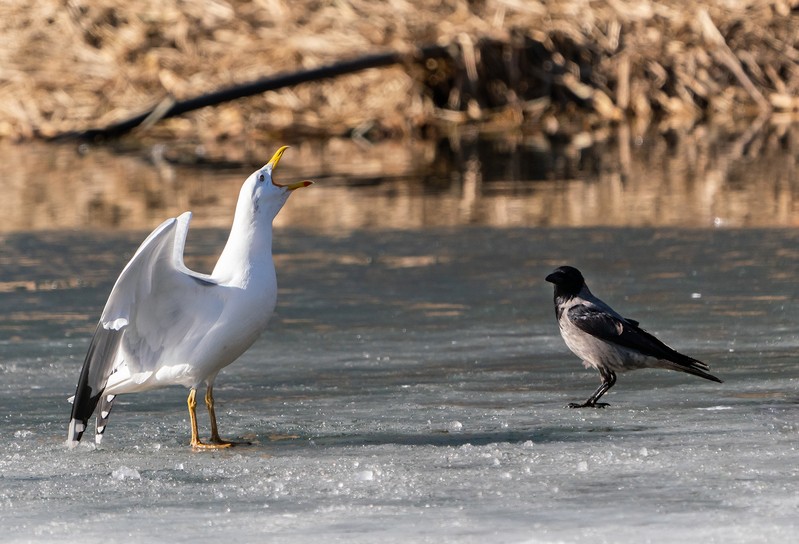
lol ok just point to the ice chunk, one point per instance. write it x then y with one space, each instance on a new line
365 476
126 473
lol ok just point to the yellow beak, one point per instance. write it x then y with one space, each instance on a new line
273 162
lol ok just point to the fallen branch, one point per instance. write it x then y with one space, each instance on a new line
258 86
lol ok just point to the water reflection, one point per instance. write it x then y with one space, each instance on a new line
699 179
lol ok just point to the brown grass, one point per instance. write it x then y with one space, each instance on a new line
78 64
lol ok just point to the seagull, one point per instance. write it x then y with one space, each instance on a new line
167 325
605 340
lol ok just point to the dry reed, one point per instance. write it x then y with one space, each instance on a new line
77 64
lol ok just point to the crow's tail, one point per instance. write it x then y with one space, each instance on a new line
683 363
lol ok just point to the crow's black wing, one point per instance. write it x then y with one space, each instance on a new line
626 333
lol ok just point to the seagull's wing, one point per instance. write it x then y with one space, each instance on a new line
160 302
597 322
158 257
93 376
145 312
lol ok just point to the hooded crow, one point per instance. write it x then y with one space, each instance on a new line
605 340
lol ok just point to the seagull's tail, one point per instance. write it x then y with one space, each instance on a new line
102 416
683 363
92 381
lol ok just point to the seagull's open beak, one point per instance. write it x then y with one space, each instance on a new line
273 163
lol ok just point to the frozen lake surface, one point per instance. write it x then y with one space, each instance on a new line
411 388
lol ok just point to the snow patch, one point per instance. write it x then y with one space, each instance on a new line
455 426
365 476
126 473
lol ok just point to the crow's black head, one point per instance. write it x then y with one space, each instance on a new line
567 279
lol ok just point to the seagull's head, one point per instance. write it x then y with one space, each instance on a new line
265 194
567 279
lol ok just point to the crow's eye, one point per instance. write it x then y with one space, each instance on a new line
261 177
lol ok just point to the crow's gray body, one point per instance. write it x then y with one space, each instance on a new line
605 340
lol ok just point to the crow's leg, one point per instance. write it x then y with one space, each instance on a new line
608 379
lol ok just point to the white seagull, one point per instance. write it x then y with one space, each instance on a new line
166 325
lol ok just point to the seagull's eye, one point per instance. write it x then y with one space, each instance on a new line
261 177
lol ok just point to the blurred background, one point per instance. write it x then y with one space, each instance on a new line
495 112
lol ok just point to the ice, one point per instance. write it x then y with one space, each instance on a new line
365 476
374 415
126 473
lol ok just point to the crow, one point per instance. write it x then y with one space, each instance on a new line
605 340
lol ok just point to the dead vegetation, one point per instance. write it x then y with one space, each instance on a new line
563 66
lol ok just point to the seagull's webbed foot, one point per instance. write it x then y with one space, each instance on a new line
198 445
218 442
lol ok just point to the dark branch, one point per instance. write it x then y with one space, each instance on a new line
258 86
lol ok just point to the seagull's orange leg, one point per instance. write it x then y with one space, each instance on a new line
192 402
209 403
195 438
